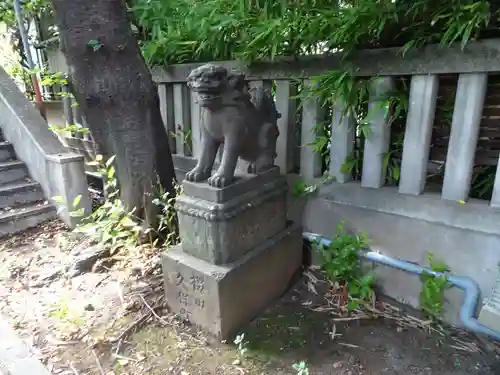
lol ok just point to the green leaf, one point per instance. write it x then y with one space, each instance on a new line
95 44
59 199
78 213
110 161
127 222
353 304
368 279
111 173
76 201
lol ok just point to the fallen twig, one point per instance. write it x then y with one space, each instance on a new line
335 306
164 322
119 356
99 366
129 329
101 281
73 368
348 345
152 309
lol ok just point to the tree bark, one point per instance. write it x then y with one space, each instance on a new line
114 88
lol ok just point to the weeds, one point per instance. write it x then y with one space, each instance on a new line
301 368
302 189
341 264
116 228
167 219
74 211
242 347
433 287
110 223
63 313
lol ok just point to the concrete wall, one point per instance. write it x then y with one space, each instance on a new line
465 236
59 172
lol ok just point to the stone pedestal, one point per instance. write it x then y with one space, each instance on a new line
237 255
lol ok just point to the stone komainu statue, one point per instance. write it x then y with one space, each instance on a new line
243 121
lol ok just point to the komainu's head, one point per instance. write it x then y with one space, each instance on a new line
213 83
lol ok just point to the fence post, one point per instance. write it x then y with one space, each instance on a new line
182 118
166 96
310 161
418 132
495 199
67 102
377 142
285 146
341 141
469 102
195 125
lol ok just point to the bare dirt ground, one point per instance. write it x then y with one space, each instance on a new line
113 320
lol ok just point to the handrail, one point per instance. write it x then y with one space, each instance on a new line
59 172
476 57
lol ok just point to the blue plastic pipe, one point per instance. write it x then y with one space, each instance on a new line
469 286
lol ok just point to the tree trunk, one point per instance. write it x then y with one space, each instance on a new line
114 88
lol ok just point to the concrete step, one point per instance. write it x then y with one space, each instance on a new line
6 151
20 192
11 171
25 216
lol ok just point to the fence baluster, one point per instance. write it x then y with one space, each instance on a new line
67 102
469 102
182 118
341 141
495 199
418 132
285 146
195 125
78 120
310 161
377 141
166 96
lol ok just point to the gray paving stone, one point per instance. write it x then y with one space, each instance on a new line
15 355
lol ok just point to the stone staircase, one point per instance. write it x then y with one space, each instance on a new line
22 202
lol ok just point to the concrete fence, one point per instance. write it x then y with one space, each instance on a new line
407 220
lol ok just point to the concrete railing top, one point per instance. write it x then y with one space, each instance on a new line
59 172
476 57
33 123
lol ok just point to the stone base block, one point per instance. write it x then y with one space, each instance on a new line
212 221
221 299
490 317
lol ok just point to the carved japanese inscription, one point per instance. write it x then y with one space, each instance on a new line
189 293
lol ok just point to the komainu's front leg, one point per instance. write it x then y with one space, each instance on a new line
203 169
225 173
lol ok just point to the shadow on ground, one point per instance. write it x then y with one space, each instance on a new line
101 322
292 331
